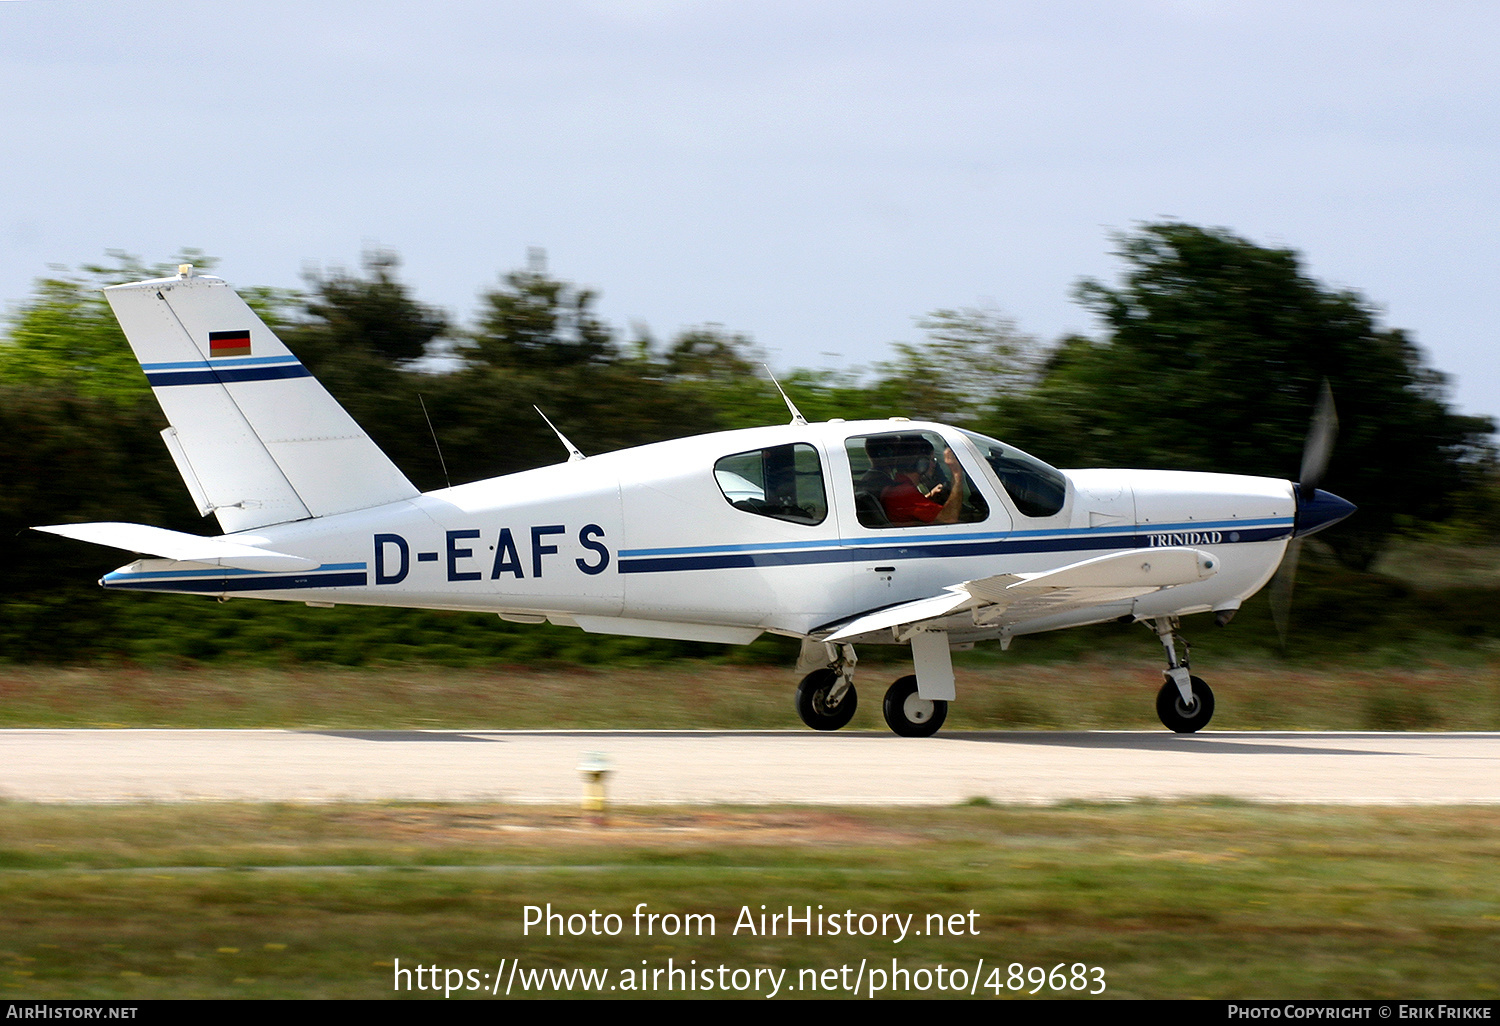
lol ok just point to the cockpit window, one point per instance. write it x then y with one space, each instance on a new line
903 480
1037 489
784 482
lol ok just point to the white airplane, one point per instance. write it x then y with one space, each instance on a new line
876 532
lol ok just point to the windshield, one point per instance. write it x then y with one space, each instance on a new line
1037 489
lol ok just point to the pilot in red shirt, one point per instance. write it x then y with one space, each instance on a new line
904 501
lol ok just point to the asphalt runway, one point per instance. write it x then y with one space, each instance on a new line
746 767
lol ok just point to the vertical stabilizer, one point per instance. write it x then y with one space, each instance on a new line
256 438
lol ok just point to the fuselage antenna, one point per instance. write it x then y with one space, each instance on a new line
797 417
441 462
573 454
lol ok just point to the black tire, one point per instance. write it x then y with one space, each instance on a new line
1185 719
812 701
910 715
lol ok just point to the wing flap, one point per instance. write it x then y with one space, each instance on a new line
952 600
1012 598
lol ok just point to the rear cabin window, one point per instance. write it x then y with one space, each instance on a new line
784 482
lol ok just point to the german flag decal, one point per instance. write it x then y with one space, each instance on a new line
228 343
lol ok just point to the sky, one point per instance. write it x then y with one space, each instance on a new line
816 174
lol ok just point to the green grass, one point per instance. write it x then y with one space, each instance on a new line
1217 899
1429 564
993 694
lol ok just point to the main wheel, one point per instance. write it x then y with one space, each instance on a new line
812 701
1177 715
911 715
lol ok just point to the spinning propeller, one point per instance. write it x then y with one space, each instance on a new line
1315 509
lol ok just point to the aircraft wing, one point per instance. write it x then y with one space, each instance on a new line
158 541
1011 598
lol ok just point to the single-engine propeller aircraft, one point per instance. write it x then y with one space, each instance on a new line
840 533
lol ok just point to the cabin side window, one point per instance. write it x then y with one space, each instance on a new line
903 480
784 482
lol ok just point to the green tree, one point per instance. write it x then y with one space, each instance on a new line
363 336
710 353
536 321
375 313
1214 355
971 358
65 334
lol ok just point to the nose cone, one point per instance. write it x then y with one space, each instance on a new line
1318 510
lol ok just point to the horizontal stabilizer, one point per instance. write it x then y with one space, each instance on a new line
157 541
1010 598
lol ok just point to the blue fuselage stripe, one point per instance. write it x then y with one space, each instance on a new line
215 585
932 549
1125 533
218 571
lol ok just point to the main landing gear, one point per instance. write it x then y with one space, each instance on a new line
911 715
1185 703
826 699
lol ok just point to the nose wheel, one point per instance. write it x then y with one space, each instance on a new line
1185 704
1184 717
911 715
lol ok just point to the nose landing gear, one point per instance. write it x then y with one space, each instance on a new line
1185 717
1185 703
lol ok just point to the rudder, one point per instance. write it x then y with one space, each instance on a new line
257 439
